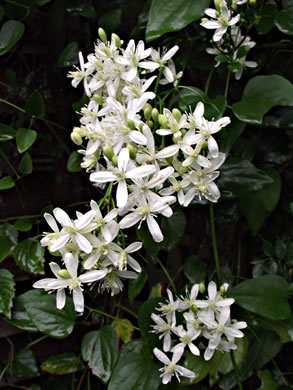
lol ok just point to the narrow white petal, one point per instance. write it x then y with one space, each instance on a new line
135 246
92 276
142 171
137 137
78 299
212 290
213 147
161 356
121 194
51 222
154 229
71 263
123 159
102 177
83 243
130 220
62 217
60 299
85 219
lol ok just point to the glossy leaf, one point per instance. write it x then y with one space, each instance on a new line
48 319
258 98
198 365
8 230
62 364
35 105
100 349
23 224
258 207
226 364
124 329
6 133
267 380
10 33
135 286
25 138
172 15
6 183
69 55
135 373
145 323
6 247
266 296
195 269
26 165
19 316
74 161
284 22
6 292
28 255
24 364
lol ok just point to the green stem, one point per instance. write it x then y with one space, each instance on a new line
127 310
158 80
238 262
9 164
206 90
227 83
12 105
167 275
35 342
100 312
19 216
214 243
237 375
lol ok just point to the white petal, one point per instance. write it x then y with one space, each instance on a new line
62 217
135 246
78 299
142 171
212 13
168 151
51 222
92 276
121 194
161 356
130 220
137 137
71 263
60 299
59 242
154 229
85 219
133 264
213 147
123 159
83 243
212 290
102 177
170 53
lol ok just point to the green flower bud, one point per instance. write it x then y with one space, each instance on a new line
150 124
217 4
234 321
63 273
130 124
183 132
155 114
116 39
194 309
202 288
146 106
114 159
108 151
102 34
252 3
76 138
177 114
147 113
234 7
204 144
132 151
222 289
163 121
98 99
140 126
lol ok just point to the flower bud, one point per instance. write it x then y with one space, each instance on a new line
150 124
102 34
132 151
130 124
76 138
155 114
203 144
114 159
148 113
140 126
63 273
202 288
163 121
177 114
252 3
217 5
116 39
222 289
234 7
146 105
98 99
108 151
183 132
194 309
234 321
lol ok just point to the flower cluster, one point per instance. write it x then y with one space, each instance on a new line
206 325
229 44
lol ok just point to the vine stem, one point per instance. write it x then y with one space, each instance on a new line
214 243
35 342
237 375
167 275
101 312
9 164
227 83
207 86
127 310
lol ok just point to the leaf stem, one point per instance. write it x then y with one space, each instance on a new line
206 90
12 105
237 375
100 312
167 275
227 83
9 164
127 310
214 243
35 342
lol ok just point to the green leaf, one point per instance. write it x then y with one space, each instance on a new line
234 67
266 296
172 15
266 22
123 328
173 229
6 247
267 380
24 364
100 349
8 230
6 292
145 323
25 138
69 55
198 365
243 51
135 373
48 319
19 316
10 33
195 269
258 206
6 133
62 364
42 2
28 256
284 21
6 183
226 364
74 161
26 165
23 224
136 285
258 98
280 249
229 135
35 105
110 20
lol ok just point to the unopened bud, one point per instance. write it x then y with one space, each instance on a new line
63 273
130 124
177 114
183 132
102 34
217 5
140 126
155 114
116 39
114 159
202 288
132 151
234 321
252 3
150 124
222 289
194 309
147 113
108 151
203 144
98 99
163 121
146 105
234 7
76 138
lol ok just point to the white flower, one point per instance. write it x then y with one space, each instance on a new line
102 222
186 338
112 281
171 367
82 74
165 328
167 55
169 309
121 257
170 74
